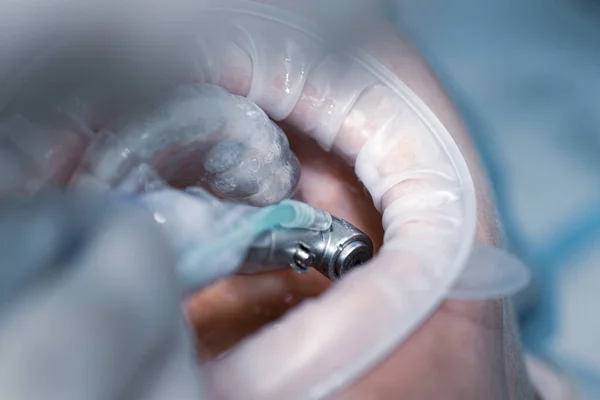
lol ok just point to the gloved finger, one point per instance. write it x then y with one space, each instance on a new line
195 135
199 135
102 59
104 322
40 234
355 107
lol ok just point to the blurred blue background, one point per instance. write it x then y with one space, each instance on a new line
526 77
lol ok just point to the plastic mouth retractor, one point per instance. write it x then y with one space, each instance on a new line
414 171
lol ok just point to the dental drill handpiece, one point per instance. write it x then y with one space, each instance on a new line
332 252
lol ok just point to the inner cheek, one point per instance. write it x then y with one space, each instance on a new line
330 184
228 311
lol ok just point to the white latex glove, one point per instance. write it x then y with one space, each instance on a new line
407 160
90 295
90 304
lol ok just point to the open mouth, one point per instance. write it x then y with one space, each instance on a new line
57 150
352 106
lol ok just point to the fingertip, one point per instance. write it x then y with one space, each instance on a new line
127 267
111 301
281 184
224 156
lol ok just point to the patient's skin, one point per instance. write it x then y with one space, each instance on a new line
465 350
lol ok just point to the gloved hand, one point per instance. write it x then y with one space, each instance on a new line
328 344
89 293
90 304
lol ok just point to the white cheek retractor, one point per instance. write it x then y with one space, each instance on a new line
354 106
405 157
351 105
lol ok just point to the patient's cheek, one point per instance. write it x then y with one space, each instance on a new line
228 311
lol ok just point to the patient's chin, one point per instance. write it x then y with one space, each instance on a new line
230 310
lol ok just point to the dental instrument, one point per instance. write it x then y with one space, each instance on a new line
247 239
333 252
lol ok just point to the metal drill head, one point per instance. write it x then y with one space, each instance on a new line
353 255
346 248
333 252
